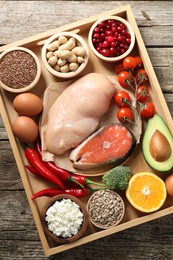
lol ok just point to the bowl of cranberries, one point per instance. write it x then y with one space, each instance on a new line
111 38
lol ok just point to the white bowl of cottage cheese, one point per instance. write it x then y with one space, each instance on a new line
64 218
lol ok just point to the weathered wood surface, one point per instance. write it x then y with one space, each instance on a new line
18 235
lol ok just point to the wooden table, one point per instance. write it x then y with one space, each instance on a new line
18 235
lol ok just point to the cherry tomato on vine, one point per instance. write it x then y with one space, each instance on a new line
125 78
129 63
125 115
122 99
142 93
147 110
141 76
139 61
118 67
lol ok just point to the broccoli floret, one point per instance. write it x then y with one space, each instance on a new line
117 178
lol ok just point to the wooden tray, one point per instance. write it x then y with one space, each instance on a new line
31 183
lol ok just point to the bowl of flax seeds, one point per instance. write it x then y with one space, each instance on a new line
20 69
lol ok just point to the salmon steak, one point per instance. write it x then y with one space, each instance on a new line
111 144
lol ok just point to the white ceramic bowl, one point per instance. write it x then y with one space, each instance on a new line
22 69
129 30
79 42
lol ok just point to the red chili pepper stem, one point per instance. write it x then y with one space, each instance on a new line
88 181
70 178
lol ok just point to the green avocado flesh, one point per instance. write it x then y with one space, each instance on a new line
158 135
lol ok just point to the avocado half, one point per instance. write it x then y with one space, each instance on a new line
157 127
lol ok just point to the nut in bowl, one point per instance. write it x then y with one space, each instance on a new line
111 38
65 55
105 208
64 218
20 69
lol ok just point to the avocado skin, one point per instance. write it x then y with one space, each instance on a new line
157 123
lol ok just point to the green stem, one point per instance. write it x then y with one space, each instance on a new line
93 182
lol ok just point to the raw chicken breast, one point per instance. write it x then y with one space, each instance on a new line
77 111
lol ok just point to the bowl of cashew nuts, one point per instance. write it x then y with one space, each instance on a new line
65 54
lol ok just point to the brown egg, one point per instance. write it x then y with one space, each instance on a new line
27 104
169 184
25 129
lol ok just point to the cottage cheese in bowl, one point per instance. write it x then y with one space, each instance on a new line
64 218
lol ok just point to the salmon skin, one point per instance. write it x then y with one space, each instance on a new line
111 144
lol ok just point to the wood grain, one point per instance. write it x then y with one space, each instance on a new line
19 238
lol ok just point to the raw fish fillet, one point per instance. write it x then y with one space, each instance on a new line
77 111
111 144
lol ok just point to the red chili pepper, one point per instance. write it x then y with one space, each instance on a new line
79 193
32 170
35 162
63 174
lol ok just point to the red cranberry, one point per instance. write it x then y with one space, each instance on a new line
97 36
112 51
102 35
110 39
97 30
128 41
119 29
105 52
113 44
99 49
120 38
109 33
124 32
110 21
106 44
114 24
108 27
114 29
102 24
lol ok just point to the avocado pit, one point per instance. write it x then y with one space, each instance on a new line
159 146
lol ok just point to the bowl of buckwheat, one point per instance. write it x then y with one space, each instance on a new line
65 54
105 209
20 69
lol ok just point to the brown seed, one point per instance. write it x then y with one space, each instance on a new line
18 69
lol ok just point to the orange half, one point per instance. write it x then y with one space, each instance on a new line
146 192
